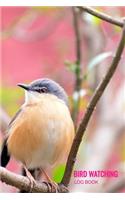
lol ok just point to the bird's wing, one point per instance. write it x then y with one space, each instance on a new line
15 116
5 157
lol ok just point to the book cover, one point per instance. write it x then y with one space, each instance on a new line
81 49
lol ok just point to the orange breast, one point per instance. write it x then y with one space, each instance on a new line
42 133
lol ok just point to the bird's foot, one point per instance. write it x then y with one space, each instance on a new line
54 186
51 184
31 179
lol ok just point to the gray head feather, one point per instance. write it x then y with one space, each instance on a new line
51 87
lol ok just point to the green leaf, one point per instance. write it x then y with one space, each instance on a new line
98 59
85 76
58 173
71 66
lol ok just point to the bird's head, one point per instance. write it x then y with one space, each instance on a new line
42 87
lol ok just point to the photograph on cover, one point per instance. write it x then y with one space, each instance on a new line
62 124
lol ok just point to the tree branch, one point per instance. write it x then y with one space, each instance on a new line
78 81
77 34
90 108
101 15
23 183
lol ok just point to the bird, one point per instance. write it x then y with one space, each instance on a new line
41 133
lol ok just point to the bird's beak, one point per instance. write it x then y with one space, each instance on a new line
24 86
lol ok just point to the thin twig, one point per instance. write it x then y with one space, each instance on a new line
23 183
101 15
78 81
90 108
77 34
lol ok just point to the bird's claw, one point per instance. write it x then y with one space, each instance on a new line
32 183
52 186
31 179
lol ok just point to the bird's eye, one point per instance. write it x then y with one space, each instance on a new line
42 90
